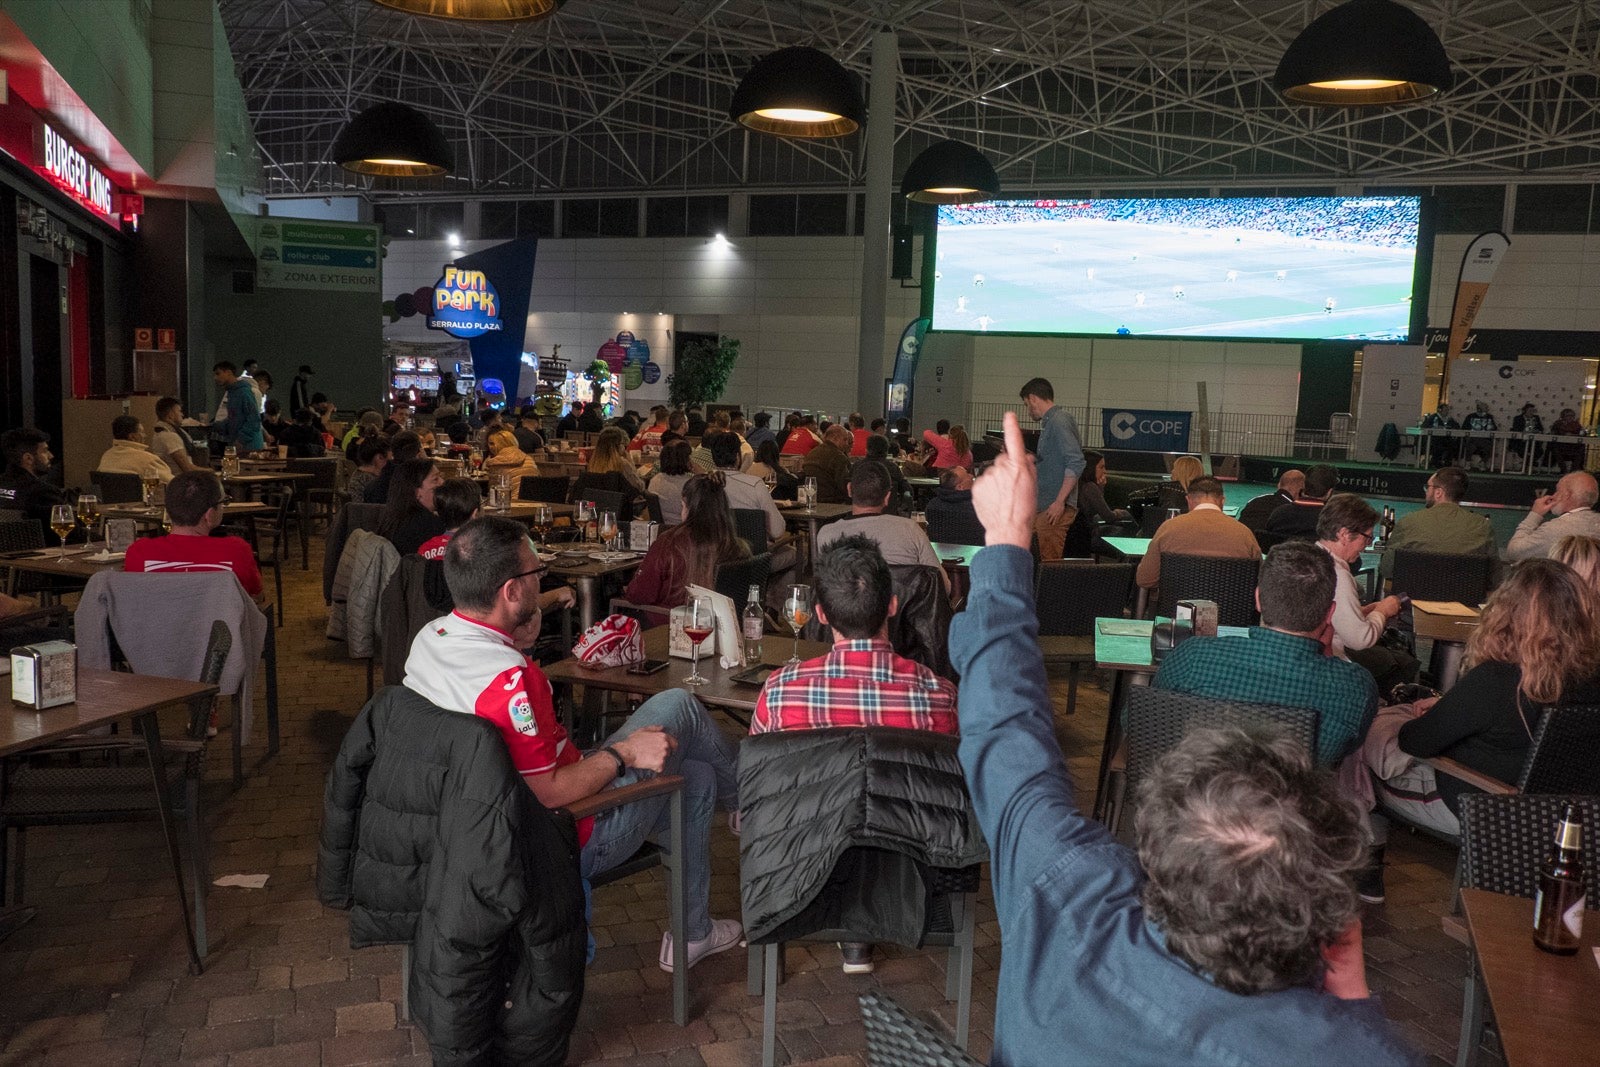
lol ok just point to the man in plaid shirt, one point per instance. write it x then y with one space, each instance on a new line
862 681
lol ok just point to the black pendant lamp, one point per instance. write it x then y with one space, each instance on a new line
950 172
799 92
393 141
1362 53
477 10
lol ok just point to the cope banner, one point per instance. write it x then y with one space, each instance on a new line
1146 431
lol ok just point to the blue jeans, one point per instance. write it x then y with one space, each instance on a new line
709 764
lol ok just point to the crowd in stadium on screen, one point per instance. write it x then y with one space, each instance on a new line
1368 220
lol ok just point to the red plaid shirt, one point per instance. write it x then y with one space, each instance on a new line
858 683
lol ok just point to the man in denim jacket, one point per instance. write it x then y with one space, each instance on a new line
1231 937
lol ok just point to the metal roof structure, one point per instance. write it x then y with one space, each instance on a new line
630 96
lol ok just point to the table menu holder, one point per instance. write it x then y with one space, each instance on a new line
729 637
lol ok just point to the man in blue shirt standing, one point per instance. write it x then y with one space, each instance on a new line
1060 463
1232 937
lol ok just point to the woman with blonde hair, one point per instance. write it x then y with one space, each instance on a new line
506 457
1537 644
1582 554
1186 469
961 447
610 468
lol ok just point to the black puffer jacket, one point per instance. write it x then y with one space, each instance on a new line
840 825
429 836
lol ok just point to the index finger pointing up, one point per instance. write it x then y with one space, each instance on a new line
1014 446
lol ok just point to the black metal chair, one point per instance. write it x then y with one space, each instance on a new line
117 488
23 535
351 517
1069 594
1229 582
543 488
896 1039
652 508
1442 576
1504 839
53 787
751 524
1157 719
275 526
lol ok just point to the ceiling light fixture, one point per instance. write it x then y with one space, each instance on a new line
477 10
1362 53
392 140
950 172
799 92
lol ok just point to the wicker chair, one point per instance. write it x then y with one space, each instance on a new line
1503 841
117 787
735 579
1069 594
1157 719
1229 582
117 488
319 498
896 1039
1442 576
751 524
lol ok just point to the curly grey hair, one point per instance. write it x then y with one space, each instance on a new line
1249 851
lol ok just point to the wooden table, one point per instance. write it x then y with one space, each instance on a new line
812 517
584 576
718 692
154 514
1449 635
1547 1006
106 697
248 480
77 564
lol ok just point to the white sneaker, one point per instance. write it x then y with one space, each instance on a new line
725 934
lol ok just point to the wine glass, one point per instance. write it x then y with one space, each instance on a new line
810 488
698 624
608 529
771 479
797 609
89 512
148 484
62 521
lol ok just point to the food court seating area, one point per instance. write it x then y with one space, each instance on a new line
100 976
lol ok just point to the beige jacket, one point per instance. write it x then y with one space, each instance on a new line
131 457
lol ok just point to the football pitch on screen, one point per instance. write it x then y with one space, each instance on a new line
1094 276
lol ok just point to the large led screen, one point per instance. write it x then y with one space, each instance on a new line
1289 268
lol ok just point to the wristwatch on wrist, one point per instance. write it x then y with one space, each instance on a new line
622 764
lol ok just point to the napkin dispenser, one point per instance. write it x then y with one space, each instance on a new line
641 534
1190 618
44 675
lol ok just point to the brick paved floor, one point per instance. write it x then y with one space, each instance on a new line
99 980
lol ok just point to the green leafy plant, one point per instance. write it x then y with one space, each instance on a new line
702 372
600 370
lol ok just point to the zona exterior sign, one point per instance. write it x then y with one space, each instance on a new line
465 304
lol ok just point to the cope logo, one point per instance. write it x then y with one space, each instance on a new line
1122 425
1506 373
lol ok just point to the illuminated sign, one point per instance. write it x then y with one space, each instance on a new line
72 172
465 304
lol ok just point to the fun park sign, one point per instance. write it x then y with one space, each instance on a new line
465 304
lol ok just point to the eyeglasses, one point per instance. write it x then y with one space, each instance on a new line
537 572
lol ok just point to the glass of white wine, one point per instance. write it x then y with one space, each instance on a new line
62 521
797 610
89 513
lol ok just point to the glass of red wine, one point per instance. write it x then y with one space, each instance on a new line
698 624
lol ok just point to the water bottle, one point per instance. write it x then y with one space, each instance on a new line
754 623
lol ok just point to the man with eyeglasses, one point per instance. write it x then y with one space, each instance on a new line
471 661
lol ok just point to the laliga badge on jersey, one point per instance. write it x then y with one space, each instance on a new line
521 711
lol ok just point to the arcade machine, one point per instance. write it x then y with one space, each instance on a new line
411 378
